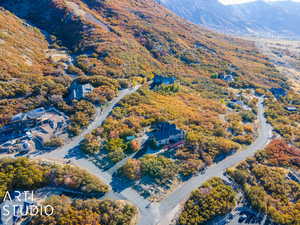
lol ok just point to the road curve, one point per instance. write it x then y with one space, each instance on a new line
100 117
163 212
169 205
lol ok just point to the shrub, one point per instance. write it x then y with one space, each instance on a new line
213 198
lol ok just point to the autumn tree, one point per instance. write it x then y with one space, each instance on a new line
90 144
132 169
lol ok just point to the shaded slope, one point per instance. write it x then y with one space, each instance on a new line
129 38
255 18
23 66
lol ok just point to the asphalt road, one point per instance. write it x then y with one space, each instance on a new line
163 212
100 117
168 205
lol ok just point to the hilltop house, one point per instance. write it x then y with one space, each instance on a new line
227 77
23 121
30 124
166 133
159 80
278 92
79 91
291 108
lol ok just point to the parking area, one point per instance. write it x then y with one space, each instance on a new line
29 131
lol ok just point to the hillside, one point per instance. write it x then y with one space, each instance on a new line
181 80
257 18
113 44
127 38
118 39
25 68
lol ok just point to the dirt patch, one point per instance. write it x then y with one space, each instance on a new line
86 15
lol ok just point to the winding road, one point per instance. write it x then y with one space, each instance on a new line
163 212
100 117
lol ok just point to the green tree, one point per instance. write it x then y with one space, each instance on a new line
90 144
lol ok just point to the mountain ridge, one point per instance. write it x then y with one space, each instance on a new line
257 18
123 40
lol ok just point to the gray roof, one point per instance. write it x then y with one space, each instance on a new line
36 113
291 108
79 91
165 130
33 114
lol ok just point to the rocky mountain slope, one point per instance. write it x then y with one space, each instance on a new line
255 18
125 38
116 39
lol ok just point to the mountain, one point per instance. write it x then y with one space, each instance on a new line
115 41
25 68
128 38
201 88
259 18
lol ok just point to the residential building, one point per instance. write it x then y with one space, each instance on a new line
166 133
294 176
27 126
159 80
227 77
22 122
291 108
79 91
278 92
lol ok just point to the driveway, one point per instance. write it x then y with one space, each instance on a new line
100 117
163 212
182 193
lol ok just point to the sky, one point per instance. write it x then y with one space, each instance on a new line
231 2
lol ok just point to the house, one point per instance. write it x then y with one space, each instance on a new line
291 108
22 122
159 80
278 92
130 138
79 91
166 133
28 119
26 126
293 176
227 77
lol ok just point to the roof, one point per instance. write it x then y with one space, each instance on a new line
158 79
33 114
79 91
291 108
130 138
165 130
36 113
278 92
227 77
18 117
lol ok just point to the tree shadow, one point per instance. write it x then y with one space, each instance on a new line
75 153
120 183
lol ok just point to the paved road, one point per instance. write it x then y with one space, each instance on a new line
163 212
71 151
97 122
168 205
